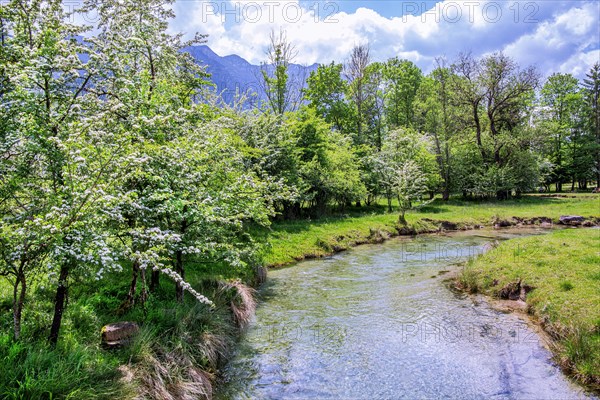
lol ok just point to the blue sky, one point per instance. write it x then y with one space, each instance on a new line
385 8
556 36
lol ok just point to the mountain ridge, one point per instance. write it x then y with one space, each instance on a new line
233 75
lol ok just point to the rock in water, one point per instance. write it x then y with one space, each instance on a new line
118 334
571 220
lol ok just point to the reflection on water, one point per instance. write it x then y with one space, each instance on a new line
378 322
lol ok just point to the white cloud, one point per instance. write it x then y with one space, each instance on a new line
552 34
580 63
561 43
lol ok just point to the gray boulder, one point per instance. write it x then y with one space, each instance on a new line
119 333
571 220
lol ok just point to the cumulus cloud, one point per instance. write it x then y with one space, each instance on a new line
556 35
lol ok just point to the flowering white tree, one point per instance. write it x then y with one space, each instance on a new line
149 86
57 165
409 184
209 198
405 168
186 192
107 157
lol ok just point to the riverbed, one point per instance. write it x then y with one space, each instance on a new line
380 322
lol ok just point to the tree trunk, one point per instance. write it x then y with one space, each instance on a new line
59 304
475 111
144 294
290 210
154 280
402 217
447 171
446 193
135 269
502 195
18 302
181 271
440 160
179 268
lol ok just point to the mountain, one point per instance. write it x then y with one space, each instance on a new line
232 74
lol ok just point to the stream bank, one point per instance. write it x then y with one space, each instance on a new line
378 322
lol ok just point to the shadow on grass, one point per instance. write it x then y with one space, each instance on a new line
524 200
438 206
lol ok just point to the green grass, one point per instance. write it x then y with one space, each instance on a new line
293 240
80 369
564 269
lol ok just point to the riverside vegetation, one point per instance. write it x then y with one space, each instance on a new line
562 270
185 344
129 191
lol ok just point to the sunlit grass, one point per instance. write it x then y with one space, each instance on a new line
564 269
29 369
291 240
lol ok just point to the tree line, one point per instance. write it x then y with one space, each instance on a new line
115 153
486 126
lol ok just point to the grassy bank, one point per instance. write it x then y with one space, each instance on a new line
561 273
181 347
295 240
177 354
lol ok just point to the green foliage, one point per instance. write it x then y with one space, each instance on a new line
402 80
283 95
405 167
495 96
326 162
591 123
325 91
569 146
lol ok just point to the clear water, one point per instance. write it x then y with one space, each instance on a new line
378 322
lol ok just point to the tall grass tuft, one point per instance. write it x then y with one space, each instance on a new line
468 278
178 358
242 301
72 370
172 376
579 352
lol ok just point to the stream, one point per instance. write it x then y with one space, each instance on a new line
379 322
